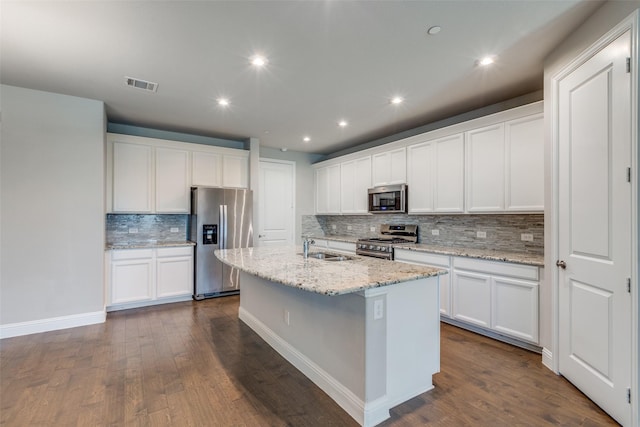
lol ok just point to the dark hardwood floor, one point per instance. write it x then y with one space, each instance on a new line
196 364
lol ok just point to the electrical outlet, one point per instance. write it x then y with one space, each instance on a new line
175 229
526 237
333 226
349 227
481 235
435 232
378 309
372 229
133 231
287 317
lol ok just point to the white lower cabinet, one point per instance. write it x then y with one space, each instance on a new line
131 276
139 277
502 297
434 260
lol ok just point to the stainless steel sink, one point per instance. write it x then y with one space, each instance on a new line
329 256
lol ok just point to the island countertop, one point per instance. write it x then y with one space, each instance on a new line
286 265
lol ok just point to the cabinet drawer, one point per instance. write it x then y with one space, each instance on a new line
131 254
422 258
495 267
174 251
341 246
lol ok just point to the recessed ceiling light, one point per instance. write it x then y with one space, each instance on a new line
306 139
487 60
342 123
396 100
258 61
434 30
224 102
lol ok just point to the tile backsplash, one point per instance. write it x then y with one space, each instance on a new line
503 232
161 228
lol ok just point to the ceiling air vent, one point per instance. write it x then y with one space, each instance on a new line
141 84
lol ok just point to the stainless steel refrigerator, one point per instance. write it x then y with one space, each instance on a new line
220 219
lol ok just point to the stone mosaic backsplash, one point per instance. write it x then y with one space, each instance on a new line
146 228
503 232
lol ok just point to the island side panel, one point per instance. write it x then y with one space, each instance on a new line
413 338
328 331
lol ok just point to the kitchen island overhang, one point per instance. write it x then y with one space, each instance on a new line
369 344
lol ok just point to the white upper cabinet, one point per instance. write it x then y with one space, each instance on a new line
435 175
449 174
355 177
485 169
148 175
235 171
389 167
328 190
420 164
206 169
525 164
172 181
132 178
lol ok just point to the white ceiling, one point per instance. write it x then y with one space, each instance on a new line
328 60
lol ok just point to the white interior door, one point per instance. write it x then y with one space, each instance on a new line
594 218
276 207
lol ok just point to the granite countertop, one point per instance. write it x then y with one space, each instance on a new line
488 254
285 265
148 245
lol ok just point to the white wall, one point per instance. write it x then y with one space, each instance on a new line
603 20
51 208
305 189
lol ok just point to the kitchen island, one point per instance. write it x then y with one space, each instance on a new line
366 331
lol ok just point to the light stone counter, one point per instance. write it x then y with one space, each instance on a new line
148 245
285 265
488 254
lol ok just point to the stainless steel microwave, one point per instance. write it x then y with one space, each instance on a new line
388 199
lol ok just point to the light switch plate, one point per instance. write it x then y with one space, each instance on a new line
481 235
175 229
378 309
372 229
526 237
435 232
333 226
349 227
133 230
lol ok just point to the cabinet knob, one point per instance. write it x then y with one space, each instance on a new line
260 236
561 264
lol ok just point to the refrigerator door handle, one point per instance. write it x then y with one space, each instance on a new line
224 226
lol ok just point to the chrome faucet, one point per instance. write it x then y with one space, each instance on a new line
305 246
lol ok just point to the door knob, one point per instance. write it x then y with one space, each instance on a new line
561 264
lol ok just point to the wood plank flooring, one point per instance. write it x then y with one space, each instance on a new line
196 364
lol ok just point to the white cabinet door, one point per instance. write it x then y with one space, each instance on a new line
420 166
322 190
472 297
235 171
389 167
524 141
206 169
355 178
172 181
448 169
132 178
174 276
485 169
131 280
515 308
333 189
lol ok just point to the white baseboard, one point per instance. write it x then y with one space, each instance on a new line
366 414
547 358
52 324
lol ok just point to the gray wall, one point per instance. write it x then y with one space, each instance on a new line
603 20
305 191
52 205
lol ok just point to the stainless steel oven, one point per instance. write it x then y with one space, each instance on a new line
390 234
